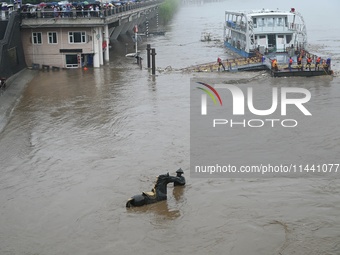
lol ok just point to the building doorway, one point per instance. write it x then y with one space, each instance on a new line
87 60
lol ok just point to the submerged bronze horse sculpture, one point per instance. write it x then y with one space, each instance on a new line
159 192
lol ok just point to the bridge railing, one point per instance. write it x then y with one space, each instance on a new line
104 11
4 14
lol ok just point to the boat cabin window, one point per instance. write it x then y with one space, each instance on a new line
281 38
271 22
286 22
254 22
262 40
280 22
262 24
288 38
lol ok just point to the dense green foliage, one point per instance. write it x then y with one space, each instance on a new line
168 8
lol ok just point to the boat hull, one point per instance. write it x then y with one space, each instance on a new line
299 73
238 51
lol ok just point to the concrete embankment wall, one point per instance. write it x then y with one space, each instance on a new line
12 59
12 95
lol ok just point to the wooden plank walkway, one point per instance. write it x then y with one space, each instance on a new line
229 64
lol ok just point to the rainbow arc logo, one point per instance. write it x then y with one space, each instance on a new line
211 92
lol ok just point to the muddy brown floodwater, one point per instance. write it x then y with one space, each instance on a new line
80 143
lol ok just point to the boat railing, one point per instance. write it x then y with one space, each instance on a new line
236 26
295 27
264 29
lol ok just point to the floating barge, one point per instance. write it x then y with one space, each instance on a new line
256 64
299 73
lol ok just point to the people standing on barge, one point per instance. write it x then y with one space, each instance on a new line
317 63
299 62
220 63
325 65
302 53
328 62
290 62
274 65
309 62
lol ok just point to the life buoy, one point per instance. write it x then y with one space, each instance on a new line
104 45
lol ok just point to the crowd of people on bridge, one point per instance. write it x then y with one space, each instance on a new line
65 9
61 10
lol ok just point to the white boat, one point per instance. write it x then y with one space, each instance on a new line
268 31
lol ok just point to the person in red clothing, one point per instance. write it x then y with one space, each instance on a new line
290 62
220 63
317 63
299 62
309 62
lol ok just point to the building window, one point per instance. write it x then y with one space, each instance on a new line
52 37
37 38
77 37
71 60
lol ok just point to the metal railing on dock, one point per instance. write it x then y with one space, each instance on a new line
236 64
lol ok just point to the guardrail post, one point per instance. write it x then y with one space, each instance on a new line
148 48
153 53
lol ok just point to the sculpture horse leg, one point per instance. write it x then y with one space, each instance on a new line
144 199
137 200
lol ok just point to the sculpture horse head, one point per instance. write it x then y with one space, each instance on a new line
161 184
158 193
